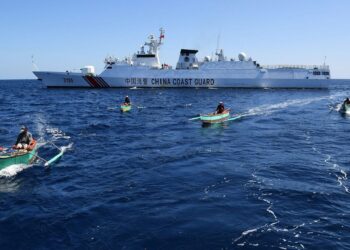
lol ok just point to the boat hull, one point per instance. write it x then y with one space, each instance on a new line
125 108
7 160
215 118
77 80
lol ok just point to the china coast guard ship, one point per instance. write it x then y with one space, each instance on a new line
145 70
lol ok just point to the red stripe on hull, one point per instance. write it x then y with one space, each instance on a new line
93 80
87 80
98 79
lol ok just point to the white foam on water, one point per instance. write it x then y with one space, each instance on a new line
56 133
68 147
342 177
43 128
245 233
249 231
254 244
274 224
328 160
272 108
13 170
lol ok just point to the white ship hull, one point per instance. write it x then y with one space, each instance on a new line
165 80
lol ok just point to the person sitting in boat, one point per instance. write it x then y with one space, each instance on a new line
127 100
24 139
347 101
220 109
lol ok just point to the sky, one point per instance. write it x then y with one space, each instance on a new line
69 34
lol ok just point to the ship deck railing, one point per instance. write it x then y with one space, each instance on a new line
291 66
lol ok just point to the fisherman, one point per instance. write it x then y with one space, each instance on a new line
24 139
220 109
127 100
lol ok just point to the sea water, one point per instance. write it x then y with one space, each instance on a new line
151 179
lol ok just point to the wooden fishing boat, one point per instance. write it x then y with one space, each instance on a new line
125 107
215 118
21 156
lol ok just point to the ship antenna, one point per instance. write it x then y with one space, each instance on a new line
35 67
218 43
325 58
161 36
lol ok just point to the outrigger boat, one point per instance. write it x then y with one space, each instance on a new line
125 107
215 118
15 156
21 156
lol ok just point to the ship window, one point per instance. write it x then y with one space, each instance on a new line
316 73
109 67
325 73
187 59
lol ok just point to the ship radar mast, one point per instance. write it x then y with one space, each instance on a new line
154 44
149 57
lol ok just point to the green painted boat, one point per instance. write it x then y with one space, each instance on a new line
17 157
345 108
125 108
215 118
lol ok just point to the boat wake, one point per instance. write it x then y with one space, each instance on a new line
13 170
272 108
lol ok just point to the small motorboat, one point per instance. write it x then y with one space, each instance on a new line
18 156
215 118
125 107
